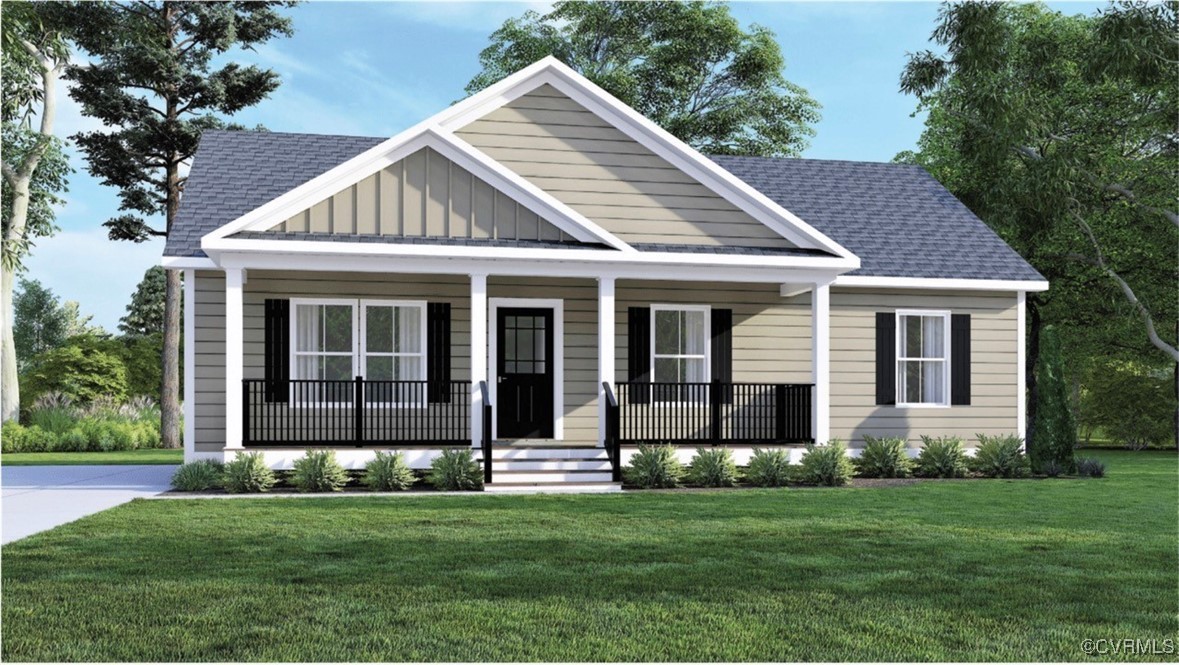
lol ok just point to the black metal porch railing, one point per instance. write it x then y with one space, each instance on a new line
359 412
485 438
704 413
613 452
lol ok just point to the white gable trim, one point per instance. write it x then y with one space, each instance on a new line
390 152
653 137
948 284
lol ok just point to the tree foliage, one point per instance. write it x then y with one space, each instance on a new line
688 66
1056 427
83 376
41 322
145 312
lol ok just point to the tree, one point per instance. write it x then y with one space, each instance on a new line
154 84
688 66
40 323
1056 426
33 53
83 376
145 313
1058 131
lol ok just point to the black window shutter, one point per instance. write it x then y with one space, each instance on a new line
960 359
722 351
438 350
886 358
277 351
638 353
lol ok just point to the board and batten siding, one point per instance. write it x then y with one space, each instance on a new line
993 407
423 195
594 168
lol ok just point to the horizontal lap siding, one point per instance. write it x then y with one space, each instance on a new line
423 195
600 172
209 346
854 412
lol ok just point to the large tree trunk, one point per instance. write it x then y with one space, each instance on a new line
170 385
9 384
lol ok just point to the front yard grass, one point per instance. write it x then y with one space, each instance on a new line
956 570
142 456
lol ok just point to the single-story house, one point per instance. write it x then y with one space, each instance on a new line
543 274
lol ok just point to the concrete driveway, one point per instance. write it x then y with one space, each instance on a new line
38 498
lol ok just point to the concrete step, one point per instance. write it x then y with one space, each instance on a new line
576 477
514 453
550 464
553 488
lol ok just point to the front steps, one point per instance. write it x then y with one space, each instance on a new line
550 468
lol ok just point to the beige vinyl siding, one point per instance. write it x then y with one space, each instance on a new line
600 172
209 348
423 195
993 361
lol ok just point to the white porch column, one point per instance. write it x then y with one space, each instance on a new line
478 354
189 364
821 362
605 348
234 279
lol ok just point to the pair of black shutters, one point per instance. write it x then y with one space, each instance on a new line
638 356
278 350
886 358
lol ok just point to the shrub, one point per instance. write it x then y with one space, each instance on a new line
942 457
14 437
247 473
827 465
53 412
999 457
82 376
768 468
1131 403
455 470
197 476
318 471
1090 467
388 472
1052 468
883 458
1054 429
713 467
654 467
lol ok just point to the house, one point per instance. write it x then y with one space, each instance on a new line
542 274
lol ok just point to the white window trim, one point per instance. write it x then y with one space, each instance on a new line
707 310
359 346
362 351
930 313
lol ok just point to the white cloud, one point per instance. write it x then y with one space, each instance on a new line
99 273
465 15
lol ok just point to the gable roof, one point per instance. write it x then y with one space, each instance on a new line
895 217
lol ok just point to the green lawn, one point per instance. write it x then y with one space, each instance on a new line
145 456
976 570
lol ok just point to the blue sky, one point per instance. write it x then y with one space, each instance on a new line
375 68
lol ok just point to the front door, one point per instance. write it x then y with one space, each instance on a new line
524 365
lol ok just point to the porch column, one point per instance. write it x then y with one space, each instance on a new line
605 348
478 354
821 362
234 279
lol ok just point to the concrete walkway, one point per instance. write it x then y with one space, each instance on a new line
38 498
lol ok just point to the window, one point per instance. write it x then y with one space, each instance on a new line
679 354
923 353
337 340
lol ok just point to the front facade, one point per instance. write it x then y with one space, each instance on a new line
542 274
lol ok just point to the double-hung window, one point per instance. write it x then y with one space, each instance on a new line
923 358
679 352
336 340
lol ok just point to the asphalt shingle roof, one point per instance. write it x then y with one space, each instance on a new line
895 217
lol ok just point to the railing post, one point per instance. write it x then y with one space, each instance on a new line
780 412
245 411
486 431
714 411
358 412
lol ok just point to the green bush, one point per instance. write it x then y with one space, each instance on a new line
318 471
82 376
713 467
14 437
1054 429
198 476
1052 469
1132 404
768 468
388 472
1088 467
883 458
942 457
53 412
654 467
455 470
999 457
248 473
827 465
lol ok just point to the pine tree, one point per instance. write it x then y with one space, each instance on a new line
145 312
1056 428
